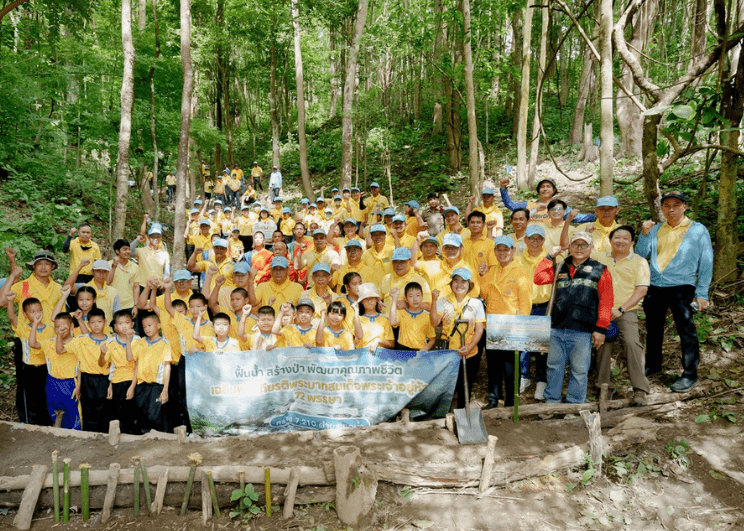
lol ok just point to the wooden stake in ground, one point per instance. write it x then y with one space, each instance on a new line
136 486
205 499
30 497
485 480
213 495
194 461
356 487
58 414
594 425
66 489
145 483
604 388
291 492
267 490
157 504
516 387
85 490
114 432
55 484
108 501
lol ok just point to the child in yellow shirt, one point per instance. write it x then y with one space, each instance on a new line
118 354
415 330
153 356
333 334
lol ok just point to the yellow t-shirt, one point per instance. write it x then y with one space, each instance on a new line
151 358
48 296
229 345
507 290
379 263
477 251
393 280
600 235
372 203
493 213
123 283
60 366
540 293
342 340
34 356
415 328
287 291
375 327
470 309
152 264
294 336
287 225
464 234
185 327
87 351
172 335
77 255
337 281
120 369
106 299
627 274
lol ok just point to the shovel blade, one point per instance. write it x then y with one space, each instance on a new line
470 429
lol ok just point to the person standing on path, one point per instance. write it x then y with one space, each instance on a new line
275 183
256 174
680 256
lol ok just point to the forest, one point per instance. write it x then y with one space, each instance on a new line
418 95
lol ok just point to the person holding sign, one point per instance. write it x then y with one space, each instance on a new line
582 308
507 289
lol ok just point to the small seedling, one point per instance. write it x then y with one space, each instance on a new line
406 493
679 451
246 498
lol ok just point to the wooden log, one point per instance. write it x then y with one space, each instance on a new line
206 500
449 422
157 504
356 487
114 433
182 435
485 479
253 474
291 492
111 483
173 496
405 416
603 390
594 425
30 497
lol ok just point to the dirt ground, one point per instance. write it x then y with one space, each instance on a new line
682 470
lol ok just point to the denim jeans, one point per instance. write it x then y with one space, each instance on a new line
655 305
540 357
573 348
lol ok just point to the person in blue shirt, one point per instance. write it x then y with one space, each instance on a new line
538 210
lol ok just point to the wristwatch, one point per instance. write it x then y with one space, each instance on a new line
621 310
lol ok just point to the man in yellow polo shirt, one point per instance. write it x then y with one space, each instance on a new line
375 201
401 275
478 248
630 280
606 211
494 217
81 248
377 256
278 290
507 289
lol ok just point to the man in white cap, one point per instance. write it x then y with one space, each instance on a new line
680 256
579 318
153 260
494 217
107 298
275 183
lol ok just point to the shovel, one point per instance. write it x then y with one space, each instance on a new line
470 426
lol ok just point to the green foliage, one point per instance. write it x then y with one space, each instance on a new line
679 451
631 468
246 507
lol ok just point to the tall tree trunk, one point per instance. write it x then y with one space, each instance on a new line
183 140
725 267
606 133
142 15
299 81
629 121
587 76
155 185
470 100
651 164
347 133
334 74
219 73
535 139
125 129
272 101
228 116
511 104
524 99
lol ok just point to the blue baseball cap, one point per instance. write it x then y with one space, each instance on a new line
220 242
354 189
533 230
334 190
463 273
504 240
205 221
487 191
377 227
264 208
413 204
388 212
431 239
279 199
321 267
374 185
337 197
194 211
319 232
452 208
313 205
211 211
155 228
320 199
280 261
347 190
354 243
217 201
402 253
350 220
228 209
455 240
242 268
181 274
286 210
607 201
305 201
399 217
197 201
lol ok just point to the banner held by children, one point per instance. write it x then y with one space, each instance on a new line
288 389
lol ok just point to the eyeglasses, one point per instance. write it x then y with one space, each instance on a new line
577 245
557 209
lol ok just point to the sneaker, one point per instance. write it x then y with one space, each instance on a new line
639 397
683 385
540 390
524 383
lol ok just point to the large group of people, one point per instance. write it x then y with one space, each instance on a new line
348 272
